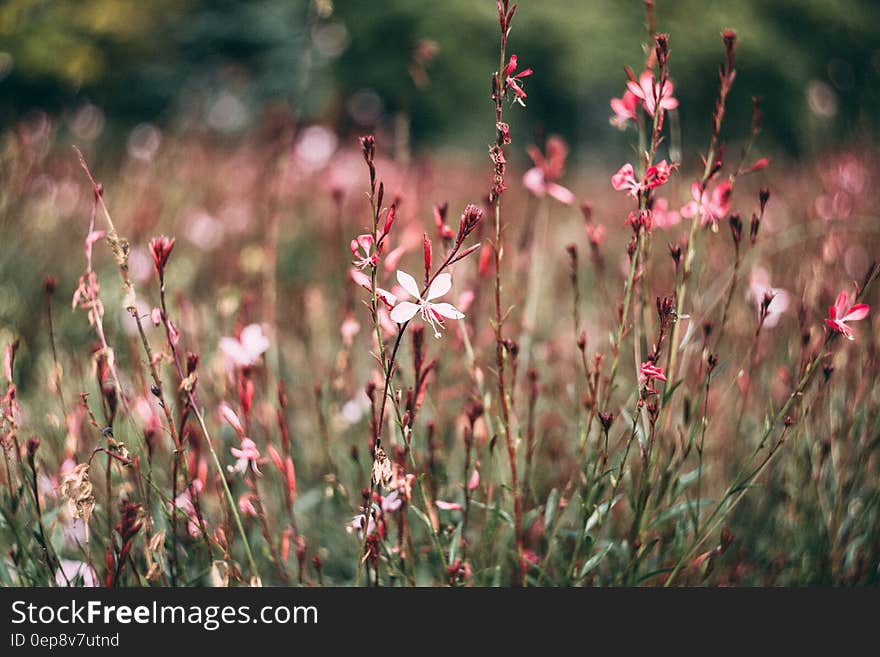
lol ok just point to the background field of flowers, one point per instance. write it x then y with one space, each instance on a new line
234 128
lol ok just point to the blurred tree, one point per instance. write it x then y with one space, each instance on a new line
817 64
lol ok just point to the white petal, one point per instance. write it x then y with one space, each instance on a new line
440 286
404 311
447 310
409 284
234 351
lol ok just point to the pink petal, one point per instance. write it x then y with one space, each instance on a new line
857 312
561 194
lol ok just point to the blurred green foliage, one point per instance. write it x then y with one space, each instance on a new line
349 62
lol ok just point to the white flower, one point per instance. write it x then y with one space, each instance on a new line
432 313
248 349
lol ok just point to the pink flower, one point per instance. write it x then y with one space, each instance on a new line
648 90
247 455
541 178
246 505
357 523
361 248
363 280
247 349
624 109
511 79
648 372
391 502
839 315
432 313
474 481
232 418
710 207
448 506
663 216
656 175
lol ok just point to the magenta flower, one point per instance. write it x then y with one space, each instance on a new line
541 178
512 79
648 90
711 207
432 313
839 314
624 109
648 372
656 175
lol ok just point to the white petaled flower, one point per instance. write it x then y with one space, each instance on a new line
432 313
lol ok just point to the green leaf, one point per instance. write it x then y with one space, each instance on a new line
594 561
680 509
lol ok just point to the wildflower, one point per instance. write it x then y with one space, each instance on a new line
247 455
541 178
448 506
656 175
357 524
663 216
391 502
648 372
246 505
839 314
624 109
361 248
710 207
364 281
160 249
759 286
432 313
247 349
232 418
648 90
474 481
512 79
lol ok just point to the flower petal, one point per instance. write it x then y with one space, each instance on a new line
404 311
859 311
447 310
440 286
409 284
560 193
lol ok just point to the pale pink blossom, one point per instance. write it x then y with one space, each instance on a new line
474 481
349 328
361 249
541 179
839 314
759 287
246 505
624 109
663 216
231 417
709 206
247 349
432 313
247 454
448 506
648 90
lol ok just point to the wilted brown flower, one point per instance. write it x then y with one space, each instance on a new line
76 488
